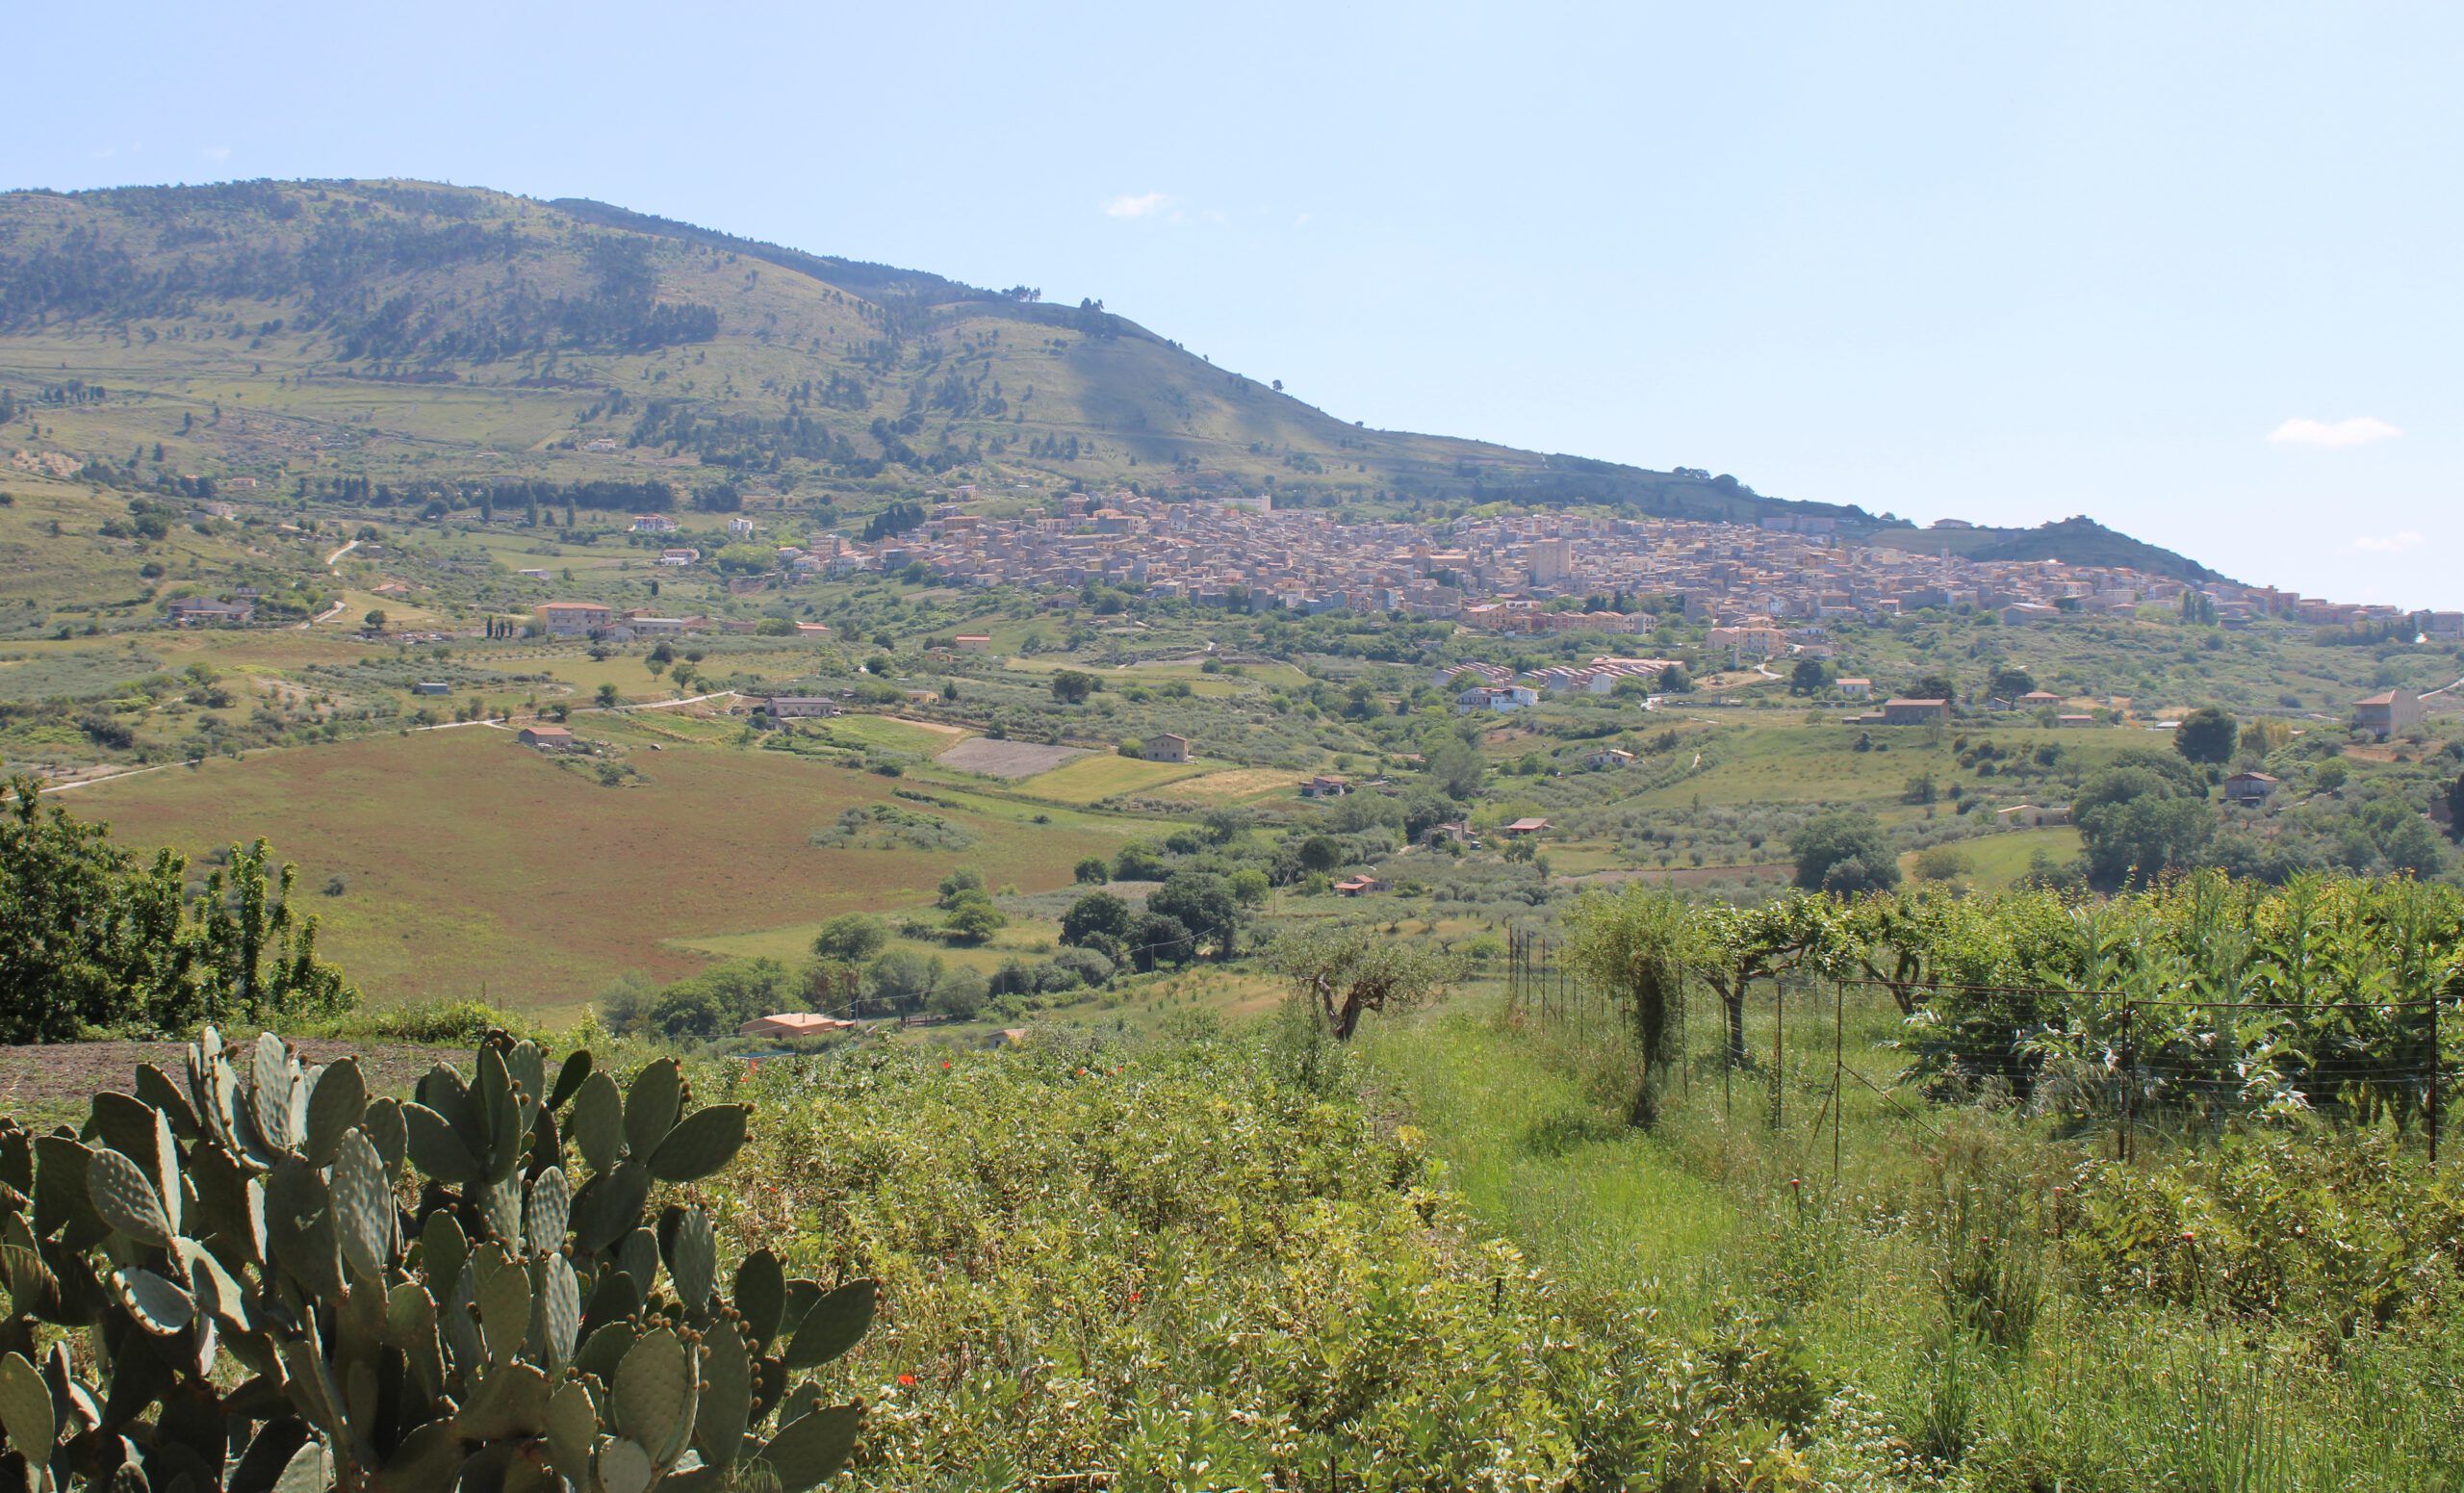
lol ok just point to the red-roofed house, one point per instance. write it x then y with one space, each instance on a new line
2385 714
794 1023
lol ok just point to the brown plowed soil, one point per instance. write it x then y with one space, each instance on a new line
55 1083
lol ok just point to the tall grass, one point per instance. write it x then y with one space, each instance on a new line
1963 1334
1530 1134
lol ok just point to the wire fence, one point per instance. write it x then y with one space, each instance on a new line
1800 1047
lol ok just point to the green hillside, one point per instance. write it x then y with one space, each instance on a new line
304 332
2079 541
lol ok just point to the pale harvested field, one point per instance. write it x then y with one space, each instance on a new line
1240 783
1006 758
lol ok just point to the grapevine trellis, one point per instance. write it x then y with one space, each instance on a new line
2187 1010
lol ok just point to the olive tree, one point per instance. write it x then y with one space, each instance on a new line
2207 735
1843 851
1344 973
1632 944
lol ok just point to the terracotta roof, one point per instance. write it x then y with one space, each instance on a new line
793 1023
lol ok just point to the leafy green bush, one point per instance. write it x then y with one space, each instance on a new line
93 939
1154 1260
438 1023
2337 1236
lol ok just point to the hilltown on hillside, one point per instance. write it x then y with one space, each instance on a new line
1762 591
1502 573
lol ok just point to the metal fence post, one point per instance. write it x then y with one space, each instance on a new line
1779 1052
1838 1071
1543 949
2129 1073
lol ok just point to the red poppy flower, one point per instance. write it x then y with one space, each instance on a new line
907 1382
1133 1298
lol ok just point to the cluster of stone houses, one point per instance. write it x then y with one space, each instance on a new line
1503 574
1765 589
208 612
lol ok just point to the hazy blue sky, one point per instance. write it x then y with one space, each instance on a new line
2189 268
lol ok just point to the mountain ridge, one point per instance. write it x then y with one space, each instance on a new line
522 337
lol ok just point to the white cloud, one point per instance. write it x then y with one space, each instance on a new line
1144 204
2359 430
2389 544
217 152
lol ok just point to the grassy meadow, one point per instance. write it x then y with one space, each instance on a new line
1087 779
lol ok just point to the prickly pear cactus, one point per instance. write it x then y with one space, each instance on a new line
268 1316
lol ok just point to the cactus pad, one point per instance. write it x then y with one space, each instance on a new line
703 1143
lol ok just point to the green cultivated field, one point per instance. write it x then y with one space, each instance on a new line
1087 779
890 735
1770 762
1999 859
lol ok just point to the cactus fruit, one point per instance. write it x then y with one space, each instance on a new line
521 1325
